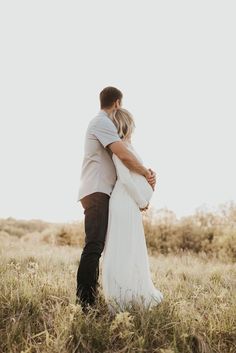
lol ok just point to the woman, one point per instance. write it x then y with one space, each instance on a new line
126 276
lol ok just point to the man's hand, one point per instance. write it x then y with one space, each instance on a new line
145 208
151 178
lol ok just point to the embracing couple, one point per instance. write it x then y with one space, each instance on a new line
115 187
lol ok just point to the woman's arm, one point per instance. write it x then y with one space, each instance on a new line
124 175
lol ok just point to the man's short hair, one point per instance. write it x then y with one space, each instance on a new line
108 96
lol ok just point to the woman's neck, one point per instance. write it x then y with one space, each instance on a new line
127 141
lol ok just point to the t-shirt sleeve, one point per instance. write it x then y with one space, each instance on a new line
106 132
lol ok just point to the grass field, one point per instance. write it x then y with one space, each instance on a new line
38 311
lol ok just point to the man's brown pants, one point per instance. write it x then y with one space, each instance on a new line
96 206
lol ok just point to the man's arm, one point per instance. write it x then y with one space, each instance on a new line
127 157
131 162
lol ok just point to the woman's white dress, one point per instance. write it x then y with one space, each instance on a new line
126 275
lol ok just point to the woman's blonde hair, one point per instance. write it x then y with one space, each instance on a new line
124 122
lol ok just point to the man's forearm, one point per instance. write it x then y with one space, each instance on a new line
128 158
133 163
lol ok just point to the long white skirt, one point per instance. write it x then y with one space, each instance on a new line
126 276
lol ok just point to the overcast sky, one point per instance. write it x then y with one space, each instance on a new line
174 61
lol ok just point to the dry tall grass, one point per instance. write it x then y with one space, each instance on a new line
38 281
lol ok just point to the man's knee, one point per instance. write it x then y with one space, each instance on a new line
93 248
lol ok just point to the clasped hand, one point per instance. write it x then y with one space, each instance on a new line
151 178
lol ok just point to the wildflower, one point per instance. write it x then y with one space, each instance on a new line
122 325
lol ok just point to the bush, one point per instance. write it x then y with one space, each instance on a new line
212 233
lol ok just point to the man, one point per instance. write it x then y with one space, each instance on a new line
98 178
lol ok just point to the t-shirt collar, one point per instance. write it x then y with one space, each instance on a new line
101 111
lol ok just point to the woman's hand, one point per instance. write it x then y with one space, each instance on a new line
145 208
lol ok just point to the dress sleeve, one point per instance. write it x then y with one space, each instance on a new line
124 175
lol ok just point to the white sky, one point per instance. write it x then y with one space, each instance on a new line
175 64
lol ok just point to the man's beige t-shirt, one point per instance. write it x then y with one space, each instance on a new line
98 170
